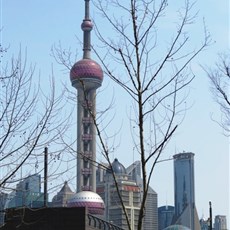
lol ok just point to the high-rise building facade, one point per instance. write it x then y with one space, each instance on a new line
130 184
184 191
220 222
28 193
150 220
165 216
130 195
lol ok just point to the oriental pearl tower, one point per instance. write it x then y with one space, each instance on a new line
86 76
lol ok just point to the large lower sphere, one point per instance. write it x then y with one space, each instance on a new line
88 199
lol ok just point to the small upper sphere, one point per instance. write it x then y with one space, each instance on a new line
87 25
86 73
88 199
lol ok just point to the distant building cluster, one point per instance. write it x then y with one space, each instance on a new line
220 222
182 215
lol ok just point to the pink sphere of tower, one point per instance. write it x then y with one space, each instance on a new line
87 74
88 199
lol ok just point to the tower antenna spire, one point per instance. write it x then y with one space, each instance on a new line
86 26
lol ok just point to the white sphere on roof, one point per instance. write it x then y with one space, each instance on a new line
88 199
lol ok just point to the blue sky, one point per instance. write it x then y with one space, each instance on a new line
37 25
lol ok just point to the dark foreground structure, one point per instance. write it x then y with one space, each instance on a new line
53 219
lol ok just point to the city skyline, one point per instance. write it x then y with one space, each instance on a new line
204 138
32 184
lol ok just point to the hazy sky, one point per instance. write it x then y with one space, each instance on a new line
39 24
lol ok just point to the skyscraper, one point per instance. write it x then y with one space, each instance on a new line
130 185
129 192
27 193
184 191
86 76
150 220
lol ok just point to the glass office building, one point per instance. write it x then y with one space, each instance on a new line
27 193
184 191
183 181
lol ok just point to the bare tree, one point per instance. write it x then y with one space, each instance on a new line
31 118
220 82
147 50
153 67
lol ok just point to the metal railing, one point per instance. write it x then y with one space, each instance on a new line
101 224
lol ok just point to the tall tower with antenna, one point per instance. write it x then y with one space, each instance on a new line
86 76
